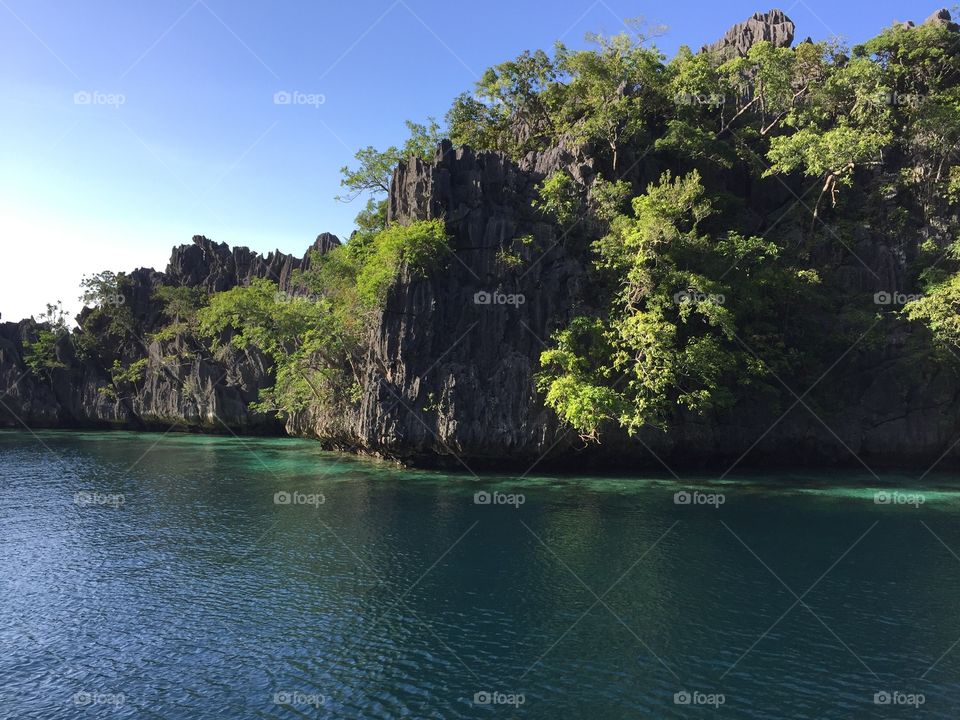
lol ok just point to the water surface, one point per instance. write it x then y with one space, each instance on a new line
167 576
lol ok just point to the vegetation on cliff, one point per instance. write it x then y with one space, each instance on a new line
690 305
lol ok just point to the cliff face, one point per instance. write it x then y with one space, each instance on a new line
181 387
774 27
451 374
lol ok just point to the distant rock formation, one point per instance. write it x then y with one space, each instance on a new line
940 17
216 266
194 392
773 26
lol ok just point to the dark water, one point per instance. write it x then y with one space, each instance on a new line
144 576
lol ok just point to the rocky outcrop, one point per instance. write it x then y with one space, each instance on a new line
216 266
450 374
940 18
182 386
773 26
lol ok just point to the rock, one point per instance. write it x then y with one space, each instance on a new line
450 381
773 26
942 17
216 266
189 391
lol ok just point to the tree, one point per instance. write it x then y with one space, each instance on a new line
40 355
376 167
317 339
694 317
181 304
612 91
840 128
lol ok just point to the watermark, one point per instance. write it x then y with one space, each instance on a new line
498 298
85 698
896 697
85 498
294 698
486 697
295 97
714 100
895 497
298 498
895 99
692 297
95 97
895 298
483 497
685 497
685 697
115 300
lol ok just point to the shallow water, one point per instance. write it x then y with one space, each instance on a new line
157 576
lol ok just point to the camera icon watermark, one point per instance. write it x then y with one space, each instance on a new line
85 699
693 297
895 298
487 697
95 97
712 100
898 99
686 697
295 698
88 498
898 698
895 497
686 497
284 497
498 298
296 97
482 497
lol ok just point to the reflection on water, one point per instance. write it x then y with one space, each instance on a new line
193 577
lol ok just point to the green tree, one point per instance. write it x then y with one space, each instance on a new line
40 355
694 316
612 92
181 304
375 169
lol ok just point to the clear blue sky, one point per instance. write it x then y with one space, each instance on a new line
182 136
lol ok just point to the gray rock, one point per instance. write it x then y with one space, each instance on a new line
182 387
773 26
942 17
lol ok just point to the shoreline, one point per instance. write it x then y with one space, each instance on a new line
560 468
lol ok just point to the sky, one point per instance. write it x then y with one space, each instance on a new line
126 128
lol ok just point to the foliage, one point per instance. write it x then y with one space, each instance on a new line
609 199
181 304
40 355
376 167
125 376
109 320
559 197
612 92
692 319
316 338
418 247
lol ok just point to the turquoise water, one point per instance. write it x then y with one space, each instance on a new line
149 576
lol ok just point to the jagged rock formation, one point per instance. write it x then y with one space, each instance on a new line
181 387
940 17
215 266
773 26
451 380
450 374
